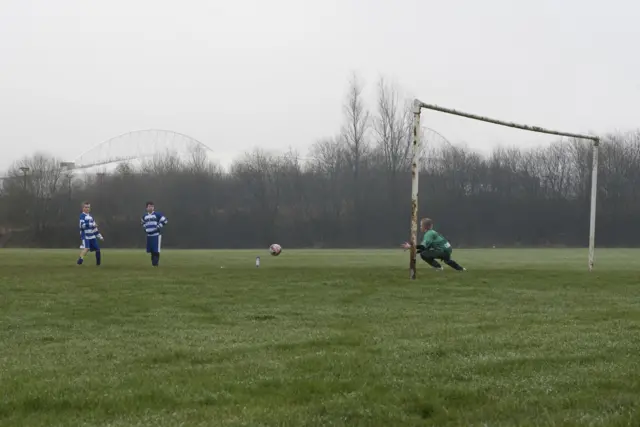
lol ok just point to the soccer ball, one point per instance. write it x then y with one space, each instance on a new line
275 249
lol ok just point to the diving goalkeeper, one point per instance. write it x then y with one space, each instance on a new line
433 247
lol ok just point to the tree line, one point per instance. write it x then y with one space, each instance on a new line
352 190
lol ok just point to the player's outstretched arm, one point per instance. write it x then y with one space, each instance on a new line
419 247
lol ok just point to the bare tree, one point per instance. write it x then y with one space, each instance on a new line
329 167
392 127
163 164
356 126
44 175
258 181
522 196
328 156
354 135
198 161
41 177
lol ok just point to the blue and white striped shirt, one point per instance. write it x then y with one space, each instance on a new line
153 222
88 227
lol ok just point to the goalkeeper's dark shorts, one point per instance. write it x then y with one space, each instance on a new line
444 254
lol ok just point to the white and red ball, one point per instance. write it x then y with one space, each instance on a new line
275 249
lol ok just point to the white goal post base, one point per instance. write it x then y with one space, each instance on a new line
417 110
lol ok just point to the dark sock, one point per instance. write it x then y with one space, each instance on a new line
98 258
80 261
155 258
451 263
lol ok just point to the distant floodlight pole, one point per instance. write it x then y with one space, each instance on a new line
68 166
24 170
417 108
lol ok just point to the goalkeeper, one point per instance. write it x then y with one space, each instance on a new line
434 246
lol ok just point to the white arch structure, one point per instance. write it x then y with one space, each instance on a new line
135 145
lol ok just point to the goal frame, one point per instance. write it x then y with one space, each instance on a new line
417 108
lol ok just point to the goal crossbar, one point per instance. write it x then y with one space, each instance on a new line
417 110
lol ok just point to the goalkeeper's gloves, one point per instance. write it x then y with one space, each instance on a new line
419 248
100 236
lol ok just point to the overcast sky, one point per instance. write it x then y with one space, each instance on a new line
273 73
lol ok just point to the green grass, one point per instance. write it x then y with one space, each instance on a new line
319 338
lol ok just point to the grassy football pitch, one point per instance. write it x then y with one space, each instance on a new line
319 338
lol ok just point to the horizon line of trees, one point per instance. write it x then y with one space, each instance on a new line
352 192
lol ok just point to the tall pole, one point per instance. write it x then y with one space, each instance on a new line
594 195
24 170
68 166
414 187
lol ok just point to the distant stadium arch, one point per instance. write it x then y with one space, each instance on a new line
136 145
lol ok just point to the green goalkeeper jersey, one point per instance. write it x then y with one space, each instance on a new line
432 240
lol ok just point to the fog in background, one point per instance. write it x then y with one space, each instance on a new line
246 74
305 104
